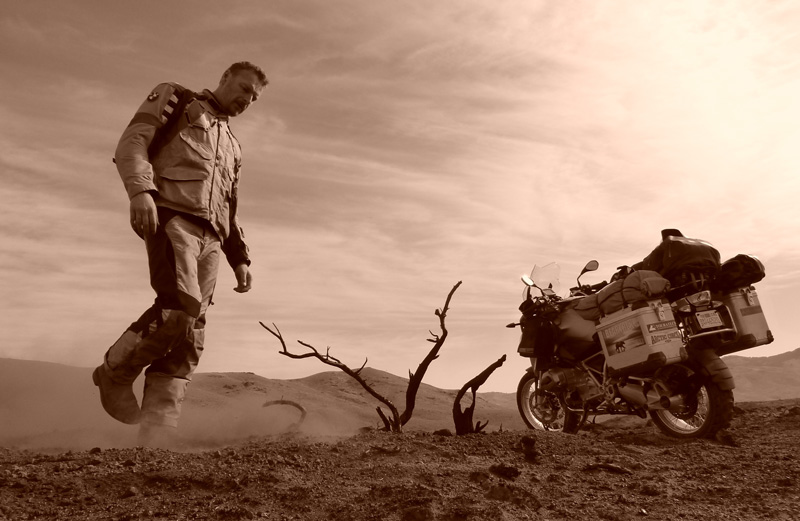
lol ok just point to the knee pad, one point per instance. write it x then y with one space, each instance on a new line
177 323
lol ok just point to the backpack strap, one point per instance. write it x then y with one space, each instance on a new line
171 116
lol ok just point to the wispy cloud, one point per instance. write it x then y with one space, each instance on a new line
397 150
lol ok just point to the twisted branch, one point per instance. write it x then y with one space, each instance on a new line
463 419
397 421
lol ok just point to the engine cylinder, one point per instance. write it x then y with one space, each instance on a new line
560 378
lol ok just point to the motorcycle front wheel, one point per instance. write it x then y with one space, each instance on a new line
707 410
542 410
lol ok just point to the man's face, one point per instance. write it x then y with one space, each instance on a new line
237 91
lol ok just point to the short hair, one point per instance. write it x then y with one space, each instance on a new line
247 66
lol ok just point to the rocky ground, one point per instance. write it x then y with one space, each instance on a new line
611 471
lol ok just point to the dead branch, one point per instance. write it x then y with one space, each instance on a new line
296 405
397 421
334 362
415 379
463 419
608 466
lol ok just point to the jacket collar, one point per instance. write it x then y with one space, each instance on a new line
212 100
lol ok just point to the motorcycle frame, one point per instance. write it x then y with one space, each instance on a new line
646 387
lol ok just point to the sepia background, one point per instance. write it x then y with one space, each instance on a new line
400 147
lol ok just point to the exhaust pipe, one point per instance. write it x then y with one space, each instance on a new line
652 400
668 402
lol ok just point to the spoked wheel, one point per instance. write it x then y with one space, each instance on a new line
543 410
706 408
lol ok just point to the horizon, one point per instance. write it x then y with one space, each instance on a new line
328 369
397 151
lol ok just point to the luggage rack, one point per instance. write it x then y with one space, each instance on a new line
714 332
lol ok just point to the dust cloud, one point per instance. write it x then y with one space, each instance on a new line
55 408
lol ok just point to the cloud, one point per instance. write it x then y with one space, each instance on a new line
398 150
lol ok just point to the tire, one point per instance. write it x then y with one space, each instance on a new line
710 409
550 415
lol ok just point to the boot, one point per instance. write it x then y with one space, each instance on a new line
158 436
118 399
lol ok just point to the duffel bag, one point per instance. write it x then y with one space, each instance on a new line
637 286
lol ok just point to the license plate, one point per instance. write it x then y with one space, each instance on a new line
709 319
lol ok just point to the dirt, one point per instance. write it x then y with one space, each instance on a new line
616 470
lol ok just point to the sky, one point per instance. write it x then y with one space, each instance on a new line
400 147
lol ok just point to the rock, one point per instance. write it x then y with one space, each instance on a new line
726 438
130 492
528 446
500 492
418 513
481 478
505 471
649 490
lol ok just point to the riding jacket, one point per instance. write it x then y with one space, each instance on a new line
196 172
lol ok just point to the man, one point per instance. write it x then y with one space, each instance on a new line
180 166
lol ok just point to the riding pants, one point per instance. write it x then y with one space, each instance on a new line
184 256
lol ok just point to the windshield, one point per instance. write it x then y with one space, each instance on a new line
547 276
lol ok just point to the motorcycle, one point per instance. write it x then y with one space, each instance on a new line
656 354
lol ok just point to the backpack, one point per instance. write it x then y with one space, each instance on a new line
676 255
165 133
170 128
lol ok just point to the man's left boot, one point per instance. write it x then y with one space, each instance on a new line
118 399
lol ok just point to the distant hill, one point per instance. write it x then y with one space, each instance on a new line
47 405
761 379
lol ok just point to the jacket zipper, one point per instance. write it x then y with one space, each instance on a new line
214 176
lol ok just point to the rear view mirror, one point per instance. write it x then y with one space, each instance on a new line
592 265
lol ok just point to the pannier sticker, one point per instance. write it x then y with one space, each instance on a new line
661 326
666 337
625 344
751 310
619 329
622 337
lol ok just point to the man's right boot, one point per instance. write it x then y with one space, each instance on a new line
118 399
158 436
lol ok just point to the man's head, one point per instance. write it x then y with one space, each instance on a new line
240 86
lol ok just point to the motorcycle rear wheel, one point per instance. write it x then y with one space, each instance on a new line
708 411
542 410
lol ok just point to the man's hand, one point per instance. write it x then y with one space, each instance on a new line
244 279
144 218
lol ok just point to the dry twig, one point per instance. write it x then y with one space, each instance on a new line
396 422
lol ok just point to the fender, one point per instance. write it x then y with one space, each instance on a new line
713 365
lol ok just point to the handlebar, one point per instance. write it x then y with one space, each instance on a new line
587 289
598 286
